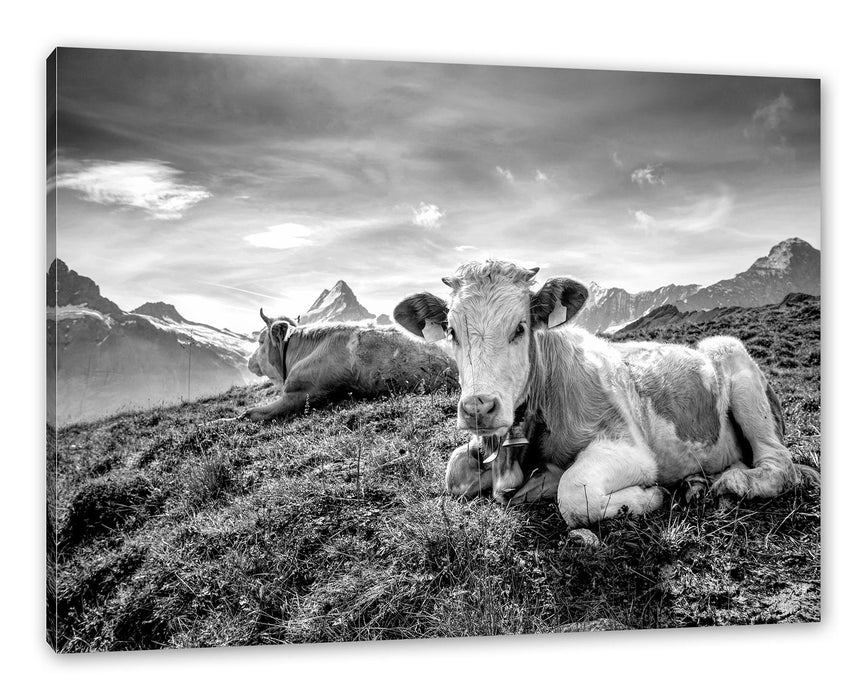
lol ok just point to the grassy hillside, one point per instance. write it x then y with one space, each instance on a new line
176 531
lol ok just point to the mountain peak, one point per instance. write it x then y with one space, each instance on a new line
336 304
159 309
788 254
65 287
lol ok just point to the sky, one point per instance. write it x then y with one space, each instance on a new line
224 183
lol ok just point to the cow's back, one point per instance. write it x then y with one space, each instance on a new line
386 360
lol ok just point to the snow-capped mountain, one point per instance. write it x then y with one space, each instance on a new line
102 359
337 304
791 266
233 347
608 309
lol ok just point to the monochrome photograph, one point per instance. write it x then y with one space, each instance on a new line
353 350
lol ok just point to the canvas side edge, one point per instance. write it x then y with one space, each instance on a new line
51 353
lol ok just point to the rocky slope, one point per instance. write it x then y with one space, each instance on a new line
669 317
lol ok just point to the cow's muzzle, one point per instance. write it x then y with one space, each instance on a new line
482 414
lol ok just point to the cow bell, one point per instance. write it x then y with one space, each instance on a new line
515 438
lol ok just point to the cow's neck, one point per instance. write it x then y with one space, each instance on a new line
566 393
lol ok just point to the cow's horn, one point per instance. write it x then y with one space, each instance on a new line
264 318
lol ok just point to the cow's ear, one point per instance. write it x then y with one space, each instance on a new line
557 301
280 329
424 315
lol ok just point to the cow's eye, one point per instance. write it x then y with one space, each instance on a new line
518 333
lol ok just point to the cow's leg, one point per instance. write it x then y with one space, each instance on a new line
542 485
772 471
287 402
467 475
607 476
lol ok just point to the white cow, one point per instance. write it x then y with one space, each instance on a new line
619 420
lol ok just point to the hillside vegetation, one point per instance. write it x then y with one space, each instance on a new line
175 531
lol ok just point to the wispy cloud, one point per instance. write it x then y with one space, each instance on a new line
648 175
465 248
151 185
541 176
240 289
706 214
768 124
505 173
774 114
617 161
427 216
282 236
702 216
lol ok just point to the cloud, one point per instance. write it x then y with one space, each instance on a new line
644 221
704 215
427 216
541 177
505 173
773 115
648 175
282 237
617 161
151 185
768 124
464 248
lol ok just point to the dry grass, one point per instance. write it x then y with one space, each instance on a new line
175 531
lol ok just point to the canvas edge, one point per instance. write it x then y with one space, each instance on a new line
51 355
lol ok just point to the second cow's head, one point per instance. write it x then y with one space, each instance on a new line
267 359
489 321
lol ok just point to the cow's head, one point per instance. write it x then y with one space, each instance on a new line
267 359
490 321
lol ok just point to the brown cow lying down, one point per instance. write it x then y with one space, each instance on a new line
312 363
622 420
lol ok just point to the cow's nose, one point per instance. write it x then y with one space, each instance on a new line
479 406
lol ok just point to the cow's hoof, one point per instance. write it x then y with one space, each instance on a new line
733 482
809 476
695 489
584 537
503 497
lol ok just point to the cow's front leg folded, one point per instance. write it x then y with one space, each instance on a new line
541 485
287 403
467 474
608 478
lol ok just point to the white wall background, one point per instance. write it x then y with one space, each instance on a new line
792 39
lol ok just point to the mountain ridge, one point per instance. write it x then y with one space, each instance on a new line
792 265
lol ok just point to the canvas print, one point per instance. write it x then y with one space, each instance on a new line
347 350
